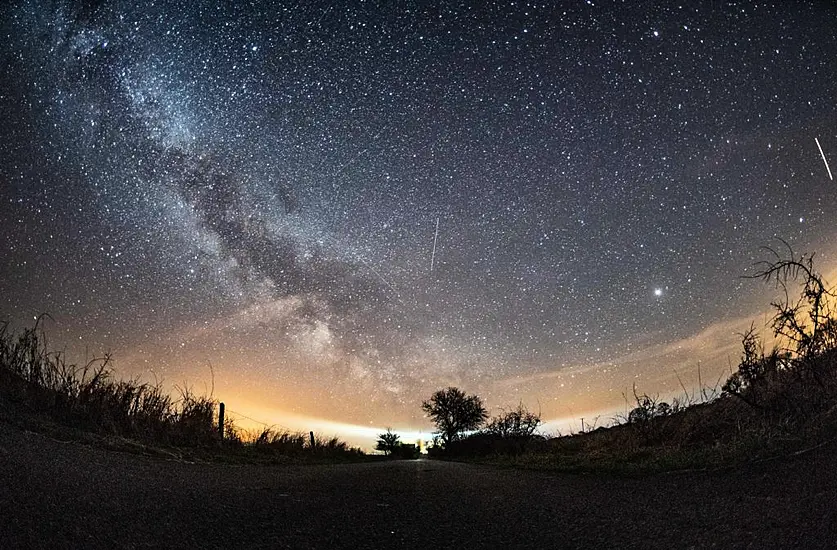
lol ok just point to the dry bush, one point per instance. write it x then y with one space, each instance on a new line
519 422
793 384
88 397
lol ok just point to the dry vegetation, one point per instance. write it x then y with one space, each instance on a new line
83 400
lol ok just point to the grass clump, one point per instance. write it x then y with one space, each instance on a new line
90 399
273 441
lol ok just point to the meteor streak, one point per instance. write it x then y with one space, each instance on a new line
824 160
435 238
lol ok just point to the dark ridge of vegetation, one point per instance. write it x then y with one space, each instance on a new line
89 400
776 402
391 445
509 433
271 443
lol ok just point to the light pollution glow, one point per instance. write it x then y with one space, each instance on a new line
567 398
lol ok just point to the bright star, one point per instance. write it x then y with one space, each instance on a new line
658 292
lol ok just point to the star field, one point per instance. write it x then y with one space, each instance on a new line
257 186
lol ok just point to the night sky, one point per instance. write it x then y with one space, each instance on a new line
256 187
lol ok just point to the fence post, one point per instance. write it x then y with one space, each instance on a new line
221 420
313 442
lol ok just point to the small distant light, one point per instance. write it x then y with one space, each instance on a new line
656 33
658 292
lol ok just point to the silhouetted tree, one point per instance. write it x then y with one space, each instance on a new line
453 412
805 328
388 442
808 322
519 422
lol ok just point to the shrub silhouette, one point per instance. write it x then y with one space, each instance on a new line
454 412
406 451
388 442
807 323
757 374
648 409
796 380
519 422
646 418
484 443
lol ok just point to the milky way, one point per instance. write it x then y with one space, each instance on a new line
258 187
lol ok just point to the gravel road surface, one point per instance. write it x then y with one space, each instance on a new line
68 495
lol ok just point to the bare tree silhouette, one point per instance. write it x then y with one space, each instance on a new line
454 412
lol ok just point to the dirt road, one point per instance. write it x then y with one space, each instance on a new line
68 495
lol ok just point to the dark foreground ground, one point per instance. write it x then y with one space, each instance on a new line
68 495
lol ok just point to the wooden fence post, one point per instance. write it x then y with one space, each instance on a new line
221 420
313 442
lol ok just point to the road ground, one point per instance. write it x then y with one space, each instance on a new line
68 495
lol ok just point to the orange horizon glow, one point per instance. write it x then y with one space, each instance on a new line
564 397
596 392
